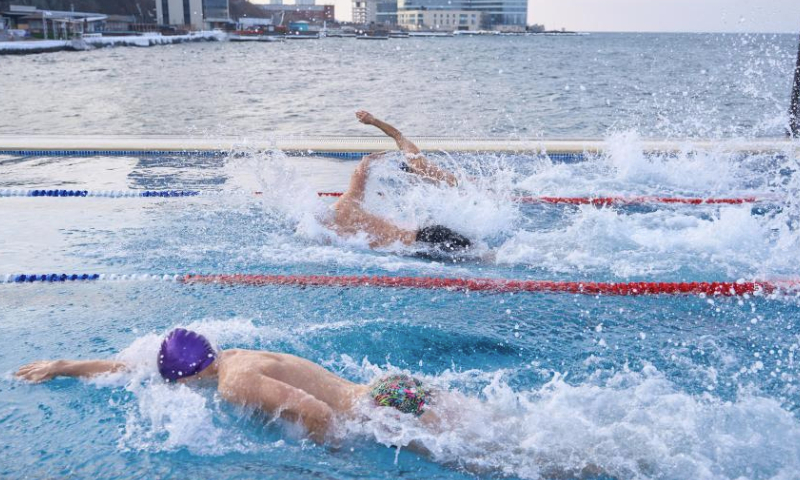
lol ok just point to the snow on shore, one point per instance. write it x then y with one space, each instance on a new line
87 43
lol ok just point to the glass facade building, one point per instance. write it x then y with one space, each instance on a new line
501 12
216 9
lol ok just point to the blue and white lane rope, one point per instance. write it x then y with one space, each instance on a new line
85 277
10 192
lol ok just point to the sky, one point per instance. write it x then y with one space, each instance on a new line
667 15
649 15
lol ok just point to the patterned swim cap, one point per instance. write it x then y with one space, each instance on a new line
184 353
402 392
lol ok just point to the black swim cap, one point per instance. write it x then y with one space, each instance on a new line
443 238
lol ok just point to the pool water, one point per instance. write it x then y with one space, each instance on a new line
638 387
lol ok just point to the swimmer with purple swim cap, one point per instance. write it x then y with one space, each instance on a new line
291 388
280 384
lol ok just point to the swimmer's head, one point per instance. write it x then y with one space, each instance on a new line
443 239
403 392
184 353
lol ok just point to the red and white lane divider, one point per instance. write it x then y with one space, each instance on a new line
737 288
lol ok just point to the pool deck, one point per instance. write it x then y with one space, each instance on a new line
99 144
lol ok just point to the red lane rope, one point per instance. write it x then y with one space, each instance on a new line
601 201
500 285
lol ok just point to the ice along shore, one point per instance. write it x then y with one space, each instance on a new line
24 47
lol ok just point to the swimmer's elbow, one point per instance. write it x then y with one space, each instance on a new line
316 416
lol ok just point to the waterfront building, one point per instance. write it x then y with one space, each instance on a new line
246 23
216 14
386 12
504 15
444 20
431 4
187 13
313 14
194 14
367 12
53 23
364 11
122 24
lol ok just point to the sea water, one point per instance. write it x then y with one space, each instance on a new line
661 85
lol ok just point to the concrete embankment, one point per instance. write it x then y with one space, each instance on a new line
25 47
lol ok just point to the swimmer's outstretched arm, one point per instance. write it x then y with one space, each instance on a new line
419 164
277 398
45 370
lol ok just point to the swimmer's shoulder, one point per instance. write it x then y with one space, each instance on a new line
244 356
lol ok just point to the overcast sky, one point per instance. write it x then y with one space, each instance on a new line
649 15
668 15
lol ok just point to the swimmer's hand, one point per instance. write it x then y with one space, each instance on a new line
44 370
365 117
38 372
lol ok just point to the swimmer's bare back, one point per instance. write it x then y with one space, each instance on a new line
279 384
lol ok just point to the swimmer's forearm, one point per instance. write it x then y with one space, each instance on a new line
316 417
45 370
387 129
87 368
421 166
402 142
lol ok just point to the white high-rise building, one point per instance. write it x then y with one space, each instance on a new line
375 11
364 11
495 13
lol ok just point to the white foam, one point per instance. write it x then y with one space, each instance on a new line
625 169
634 425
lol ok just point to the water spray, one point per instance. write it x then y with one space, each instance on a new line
794 110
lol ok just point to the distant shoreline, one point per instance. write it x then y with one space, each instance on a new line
27 47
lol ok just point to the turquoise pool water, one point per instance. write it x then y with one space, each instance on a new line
641 387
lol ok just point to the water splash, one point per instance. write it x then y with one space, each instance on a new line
634 424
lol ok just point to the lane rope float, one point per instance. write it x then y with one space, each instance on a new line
596 201
727 288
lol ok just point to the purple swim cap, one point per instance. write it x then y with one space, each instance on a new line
184 353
